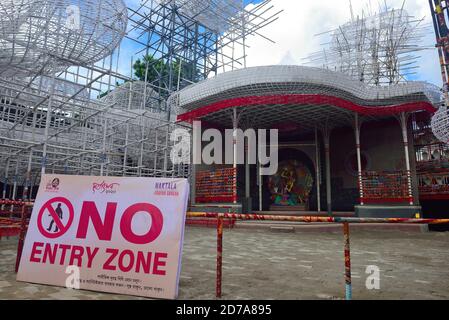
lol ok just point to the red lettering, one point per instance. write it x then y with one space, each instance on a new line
76 254
141 262
90 256
107 265
121 265
156 223
64 248
125 261
158 263
35 251
49 253
90 212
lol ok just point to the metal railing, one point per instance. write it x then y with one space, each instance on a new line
345 221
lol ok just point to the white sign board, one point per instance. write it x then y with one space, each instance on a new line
119 235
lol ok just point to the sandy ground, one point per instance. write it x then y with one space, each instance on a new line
267 265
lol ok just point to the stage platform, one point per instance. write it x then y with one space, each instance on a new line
237 208
294 227
291 227
305 213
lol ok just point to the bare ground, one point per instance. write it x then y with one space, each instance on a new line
267 265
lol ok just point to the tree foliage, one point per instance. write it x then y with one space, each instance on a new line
159 71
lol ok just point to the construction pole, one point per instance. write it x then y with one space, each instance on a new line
14 188
24 213
103 160
47 123
5 185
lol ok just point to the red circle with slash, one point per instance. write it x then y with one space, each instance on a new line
47 207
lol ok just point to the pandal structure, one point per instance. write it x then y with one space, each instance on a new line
377 49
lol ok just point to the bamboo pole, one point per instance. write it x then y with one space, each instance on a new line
348 281
219 255
315 219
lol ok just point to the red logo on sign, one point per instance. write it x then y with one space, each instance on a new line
53 185
104 187
56 227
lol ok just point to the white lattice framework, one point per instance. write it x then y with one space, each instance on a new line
67 106
135 95
53 122
440 124
217 15
378 49
44 36
96 138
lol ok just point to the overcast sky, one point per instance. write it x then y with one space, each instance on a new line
294 32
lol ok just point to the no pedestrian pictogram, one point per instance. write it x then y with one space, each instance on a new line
56 216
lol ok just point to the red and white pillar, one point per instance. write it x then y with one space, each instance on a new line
235 123
403 120
358 125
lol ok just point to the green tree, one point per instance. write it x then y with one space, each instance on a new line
159 71
156 69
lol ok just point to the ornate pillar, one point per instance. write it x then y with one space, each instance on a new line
326 136
193 166
318 171
260 182
235 122
357 127
196 155
403 118
247 174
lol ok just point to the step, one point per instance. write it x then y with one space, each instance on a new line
328 227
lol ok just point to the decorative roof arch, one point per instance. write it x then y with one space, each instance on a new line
312 89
